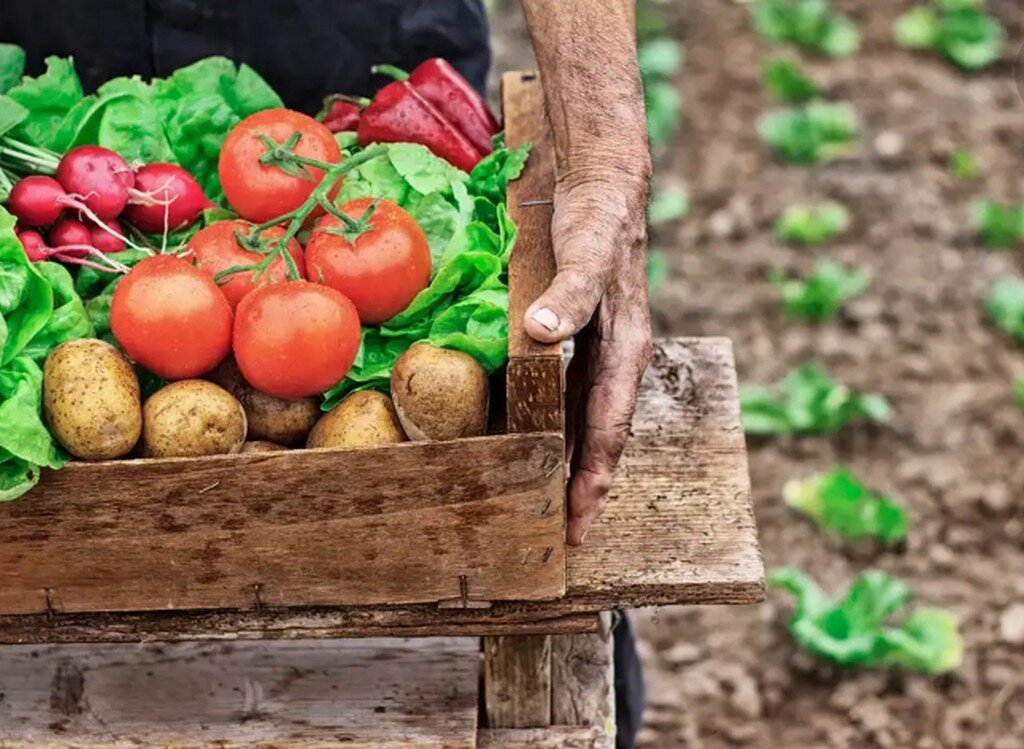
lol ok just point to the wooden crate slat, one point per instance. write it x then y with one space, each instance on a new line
554 737
236 531
367 694
687 475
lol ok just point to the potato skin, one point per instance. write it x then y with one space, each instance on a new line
271 419
363 419
190 418
261 446
439 394
91 399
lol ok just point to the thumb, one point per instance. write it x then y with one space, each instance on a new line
566 306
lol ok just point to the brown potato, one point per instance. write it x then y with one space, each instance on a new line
261 446
439 394
91 399
190 418
272 419
363 419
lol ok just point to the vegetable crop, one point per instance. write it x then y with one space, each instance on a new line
811 24
823 293
854 631
960 30
819 131
998 225
787 83
839 502
808 402
812 224
1004 305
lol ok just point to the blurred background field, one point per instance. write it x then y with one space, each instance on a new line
916 302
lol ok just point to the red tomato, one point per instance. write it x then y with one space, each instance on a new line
260 193
171 318
216 249
295 339
386 267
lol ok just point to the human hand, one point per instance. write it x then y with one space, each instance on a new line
599 295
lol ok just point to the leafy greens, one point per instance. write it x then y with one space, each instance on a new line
852 630
465 307
839 502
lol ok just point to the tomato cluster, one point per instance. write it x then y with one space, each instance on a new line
293 323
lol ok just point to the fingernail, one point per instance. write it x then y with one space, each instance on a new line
583 538
546 317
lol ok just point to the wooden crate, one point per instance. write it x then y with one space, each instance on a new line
460 523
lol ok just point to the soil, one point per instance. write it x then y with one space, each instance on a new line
728 677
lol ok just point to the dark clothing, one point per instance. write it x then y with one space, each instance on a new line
304 48
629 684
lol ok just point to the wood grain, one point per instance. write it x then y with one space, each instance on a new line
368 694
536 382
583 679
555 737
418 522
679 529
517 681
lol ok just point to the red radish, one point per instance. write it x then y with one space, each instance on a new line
68 231
97 176
37 200
32 242
165 198
107 241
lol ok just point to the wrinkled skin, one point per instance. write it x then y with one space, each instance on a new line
599 295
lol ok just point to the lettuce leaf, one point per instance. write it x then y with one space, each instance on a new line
465 307
853 630
12 66
26 297
48 100
839 502
69 319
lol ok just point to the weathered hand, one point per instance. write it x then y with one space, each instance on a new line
599 295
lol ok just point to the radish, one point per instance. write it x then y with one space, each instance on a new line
165 198
37 200
108 240
68 231
33 244
98 177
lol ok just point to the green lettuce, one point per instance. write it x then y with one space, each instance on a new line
465 307
853 630
12 66
182 119
839 502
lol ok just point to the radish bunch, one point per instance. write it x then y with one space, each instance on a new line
81 207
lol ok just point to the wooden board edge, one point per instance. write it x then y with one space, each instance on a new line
553 737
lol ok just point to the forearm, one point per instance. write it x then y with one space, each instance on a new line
586 53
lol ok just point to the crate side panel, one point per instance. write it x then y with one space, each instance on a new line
414 523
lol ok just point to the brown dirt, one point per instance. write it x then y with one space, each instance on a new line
732 677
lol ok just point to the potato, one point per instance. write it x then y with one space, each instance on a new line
261 446
272 419
439 394
190 418
364 419
91 399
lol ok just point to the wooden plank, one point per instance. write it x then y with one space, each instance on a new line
379 694
536 383
555 737
583 680
517 681
417 522
679 529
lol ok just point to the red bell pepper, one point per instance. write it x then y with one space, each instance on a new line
342 113
398 113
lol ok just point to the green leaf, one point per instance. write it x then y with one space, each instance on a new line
854 630
12 66
664 105
964 165
661 56
26 298
667 204
787 83
823 293
819 131
23 433
812 224
1004 305
971 38
69 319
917 29
810 24
838 502
17 477
998 225
489 179
12 114
657 270
808 402
1018 388
48 99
